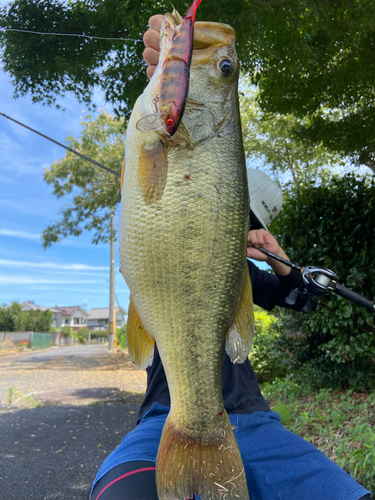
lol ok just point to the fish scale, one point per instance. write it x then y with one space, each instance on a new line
183 236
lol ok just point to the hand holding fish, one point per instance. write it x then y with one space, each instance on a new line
264 239
151 39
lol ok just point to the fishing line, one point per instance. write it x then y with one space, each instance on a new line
72 34
65 147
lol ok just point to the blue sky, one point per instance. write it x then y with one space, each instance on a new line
73 272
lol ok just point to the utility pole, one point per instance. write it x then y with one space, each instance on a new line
111 326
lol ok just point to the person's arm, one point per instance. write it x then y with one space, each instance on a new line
270 290
152 41
263 239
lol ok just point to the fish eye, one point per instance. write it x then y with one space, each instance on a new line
226 67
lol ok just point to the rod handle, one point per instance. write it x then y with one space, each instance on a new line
354 297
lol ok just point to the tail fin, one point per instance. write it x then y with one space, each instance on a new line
212 469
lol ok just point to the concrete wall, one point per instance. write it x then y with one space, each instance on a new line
17 337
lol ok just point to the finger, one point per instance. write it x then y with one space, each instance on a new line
252 253
260 240
252 239
151 56
152 39
155 22
150 71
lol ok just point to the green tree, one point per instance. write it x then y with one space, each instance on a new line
10 317
36 320
272 141
92 192
332 225
311 58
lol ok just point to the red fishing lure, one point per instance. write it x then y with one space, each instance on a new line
174 80
174 84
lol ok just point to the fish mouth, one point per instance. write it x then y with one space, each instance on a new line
208 37
208 33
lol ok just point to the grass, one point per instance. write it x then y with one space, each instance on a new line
340 423
29 401
12 395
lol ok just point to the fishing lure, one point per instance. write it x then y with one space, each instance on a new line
174 81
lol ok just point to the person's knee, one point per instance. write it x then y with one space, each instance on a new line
128 481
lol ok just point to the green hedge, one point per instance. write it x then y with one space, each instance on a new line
332 225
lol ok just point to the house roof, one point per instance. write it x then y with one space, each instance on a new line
67 311
30 306
64 311
102 313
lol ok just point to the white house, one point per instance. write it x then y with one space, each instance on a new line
98 318
74 316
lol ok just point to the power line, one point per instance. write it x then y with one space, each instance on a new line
72 34
94 296
113 172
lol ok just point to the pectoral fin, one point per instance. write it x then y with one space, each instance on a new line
152 170
140 344
239 338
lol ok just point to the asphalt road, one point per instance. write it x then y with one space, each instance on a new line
68 408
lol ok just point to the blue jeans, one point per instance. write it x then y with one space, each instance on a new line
279 465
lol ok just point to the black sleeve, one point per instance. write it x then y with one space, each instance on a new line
270 290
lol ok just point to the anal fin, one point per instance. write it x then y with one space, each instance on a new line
140 344
239 338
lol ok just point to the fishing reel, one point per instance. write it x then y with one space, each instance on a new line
316 281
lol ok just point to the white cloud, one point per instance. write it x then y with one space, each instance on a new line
14 159
68 289
80 242
52 265
22 280
31 206
19 234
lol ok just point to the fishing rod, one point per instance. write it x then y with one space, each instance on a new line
318 280
63 146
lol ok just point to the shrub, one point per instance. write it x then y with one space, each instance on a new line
82 334
121 336
335 345
99 334
267 357
67 331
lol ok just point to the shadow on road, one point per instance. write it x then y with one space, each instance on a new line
53 452
104 362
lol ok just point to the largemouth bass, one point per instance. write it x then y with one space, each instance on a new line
183 236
